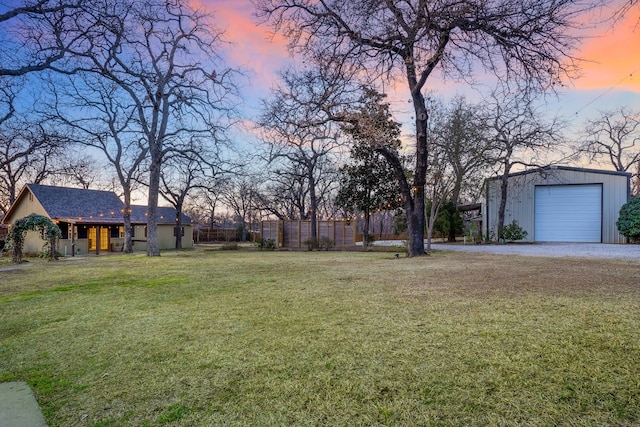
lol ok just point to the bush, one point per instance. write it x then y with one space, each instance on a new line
513 232
326 243
311 243
474 234
629 219
266 244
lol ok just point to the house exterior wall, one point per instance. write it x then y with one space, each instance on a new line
521 198
166 239
26 206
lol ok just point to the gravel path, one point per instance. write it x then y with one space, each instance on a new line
577 250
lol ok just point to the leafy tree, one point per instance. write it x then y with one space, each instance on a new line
530 40
368 182
448 219
629 219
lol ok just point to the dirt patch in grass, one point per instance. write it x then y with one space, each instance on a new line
486 274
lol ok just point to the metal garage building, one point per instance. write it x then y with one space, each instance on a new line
560 204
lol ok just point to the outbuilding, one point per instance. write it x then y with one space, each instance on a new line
560 204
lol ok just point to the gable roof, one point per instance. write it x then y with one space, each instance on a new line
80 205
64 202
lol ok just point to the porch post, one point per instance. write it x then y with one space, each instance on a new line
98 229
73 239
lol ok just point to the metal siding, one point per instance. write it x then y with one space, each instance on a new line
520 199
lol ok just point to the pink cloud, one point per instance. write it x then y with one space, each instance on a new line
613 56
252 47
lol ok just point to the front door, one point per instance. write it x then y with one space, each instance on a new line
104 238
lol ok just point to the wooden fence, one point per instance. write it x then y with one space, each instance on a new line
295 234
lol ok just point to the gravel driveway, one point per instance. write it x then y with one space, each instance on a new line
577 250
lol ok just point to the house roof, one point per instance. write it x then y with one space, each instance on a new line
549 169
80 205
64 202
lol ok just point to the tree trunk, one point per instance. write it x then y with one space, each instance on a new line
178 231
415 206
452 212
365 228
504 182
153 248
433 215
126 218
415 228
313 201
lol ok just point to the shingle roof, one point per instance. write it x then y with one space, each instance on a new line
165 215
93 206
64 202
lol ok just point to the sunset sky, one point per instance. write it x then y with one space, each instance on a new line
611 71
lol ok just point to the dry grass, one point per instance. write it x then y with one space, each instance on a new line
325 338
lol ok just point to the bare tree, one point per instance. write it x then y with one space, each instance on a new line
164 58
203 204
300 131
625 8
28 154
615 137
37 35
461 137
183 173
520 133
101 116
439 185
284 192
528 39
239 195
78 170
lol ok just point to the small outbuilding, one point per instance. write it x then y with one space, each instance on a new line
91 220
560 204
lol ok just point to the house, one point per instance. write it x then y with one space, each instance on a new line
560 204
91 220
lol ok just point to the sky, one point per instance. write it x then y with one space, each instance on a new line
610 71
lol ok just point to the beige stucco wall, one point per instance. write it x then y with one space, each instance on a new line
521 195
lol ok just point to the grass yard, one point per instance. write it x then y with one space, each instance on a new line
246 338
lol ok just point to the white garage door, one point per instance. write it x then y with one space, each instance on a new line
568 213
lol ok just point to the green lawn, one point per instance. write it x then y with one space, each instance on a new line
204 338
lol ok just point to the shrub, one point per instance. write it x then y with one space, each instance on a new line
312 243
266 244
326 243
629 219
513 232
